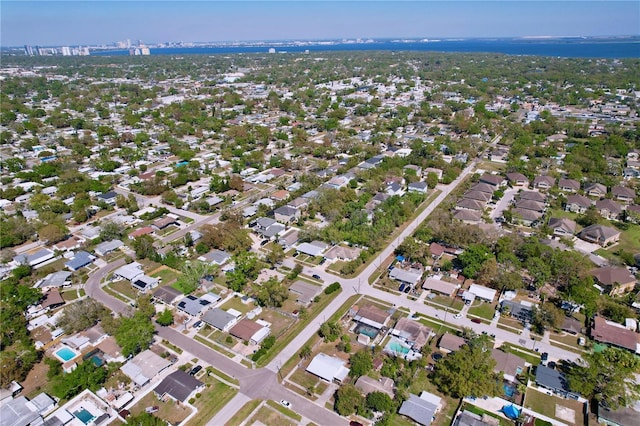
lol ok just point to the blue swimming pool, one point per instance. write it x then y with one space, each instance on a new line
367 331
398 348
65 354
509 390
84 416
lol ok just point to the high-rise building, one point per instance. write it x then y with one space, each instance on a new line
66 51
28 50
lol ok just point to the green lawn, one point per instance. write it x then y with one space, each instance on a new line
484 310
629 240
236 303
243 412
287 412
216 396
270 417
125 288
546 405
168 275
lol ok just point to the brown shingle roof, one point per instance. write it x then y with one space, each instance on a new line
244 329
618 336
612 275
373 313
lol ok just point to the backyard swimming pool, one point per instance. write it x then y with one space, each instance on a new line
65 354
397 347
367 331
84 416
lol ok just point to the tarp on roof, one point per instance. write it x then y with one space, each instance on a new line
511 411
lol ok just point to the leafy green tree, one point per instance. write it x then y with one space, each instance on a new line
165 318
192 273
80 315
546 316
329 331
275 255
468 371
348 399
272 293
143 246
607 377
379 401
473 258
145 419
134 334
361 363
86 376
109 230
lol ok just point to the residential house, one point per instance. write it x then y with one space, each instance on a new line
145 230
450 343
372 316
553 381
532 196
286 214
69 244
523 311
408 276
509 364
608 209
144 283
471 205
220 319
54 280
477 195
468 216
144 367
412 332
80 260
367 385
216 257
633 213
562 227
483 187
467 418
193 305
436 285
599 234
289 239
249 331
577 203
569 185
571 325
314 248
178 386
595 190
395 188
416 169
419 187
346 254
495 181
167 294
623 194
107 247
623 416
482 292
305 292
544 182
164 222
517 179
437 172
614 280
421 409
614 334
36 259
52 300
280 195
328 368
108 197
128 271
535 206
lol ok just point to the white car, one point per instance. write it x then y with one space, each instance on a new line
285 403
457 316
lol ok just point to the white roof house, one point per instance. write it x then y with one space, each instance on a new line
129 272
482 292
328 368
315 248
144 366
437 285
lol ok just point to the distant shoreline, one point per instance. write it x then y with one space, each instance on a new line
575 47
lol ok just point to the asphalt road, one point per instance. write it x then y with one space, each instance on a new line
264 383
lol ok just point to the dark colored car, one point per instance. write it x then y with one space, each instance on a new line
476 320
354 423
316 276
195 370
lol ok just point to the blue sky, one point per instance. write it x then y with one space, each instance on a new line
103 22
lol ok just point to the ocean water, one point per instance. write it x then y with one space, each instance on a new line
570 48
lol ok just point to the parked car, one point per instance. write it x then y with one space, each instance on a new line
457 316
195 370
476 320
285 403
582 341
544 358
316 276
152 409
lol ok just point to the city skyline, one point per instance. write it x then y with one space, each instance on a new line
104 22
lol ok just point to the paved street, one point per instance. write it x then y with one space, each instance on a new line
264 383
